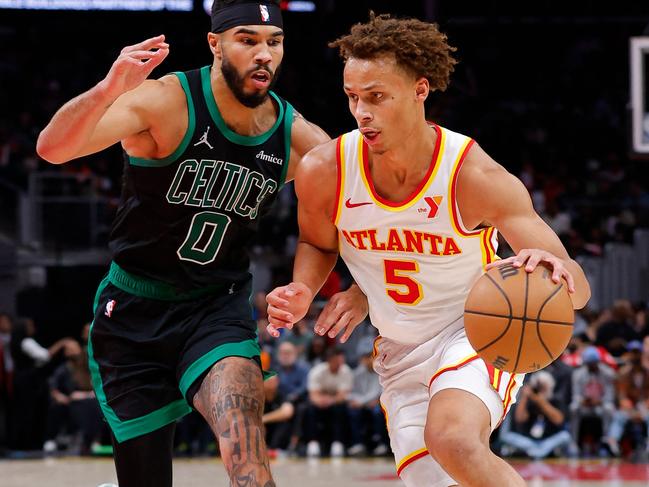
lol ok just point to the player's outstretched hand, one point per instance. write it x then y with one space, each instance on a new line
287 305
133 65
344 311
532 258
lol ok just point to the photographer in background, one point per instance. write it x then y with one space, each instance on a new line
538 422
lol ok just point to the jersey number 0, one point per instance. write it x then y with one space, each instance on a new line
204 238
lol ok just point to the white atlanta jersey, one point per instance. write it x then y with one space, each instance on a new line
414 260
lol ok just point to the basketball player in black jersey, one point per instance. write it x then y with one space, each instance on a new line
206 152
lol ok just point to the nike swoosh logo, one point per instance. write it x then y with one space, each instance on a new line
349 203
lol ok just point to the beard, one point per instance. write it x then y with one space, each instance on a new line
236 81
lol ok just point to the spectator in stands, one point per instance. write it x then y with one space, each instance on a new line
573 353
538 420
619 330
329 384
6 377
31 391
292 373
365 414
300 336
633 400
278 416
73 402
593 396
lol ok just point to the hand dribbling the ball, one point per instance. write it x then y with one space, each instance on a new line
532 258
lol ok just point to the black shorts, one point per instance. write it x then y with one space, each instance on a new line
148 346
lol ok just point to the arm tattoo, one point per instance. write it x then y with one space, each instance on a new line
298 116
231 400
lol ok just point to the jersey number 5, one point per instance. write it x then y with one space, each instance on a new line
204 238
404 289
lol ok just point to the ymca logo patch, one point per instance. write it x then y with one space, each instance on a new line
110 306
433 206
265 15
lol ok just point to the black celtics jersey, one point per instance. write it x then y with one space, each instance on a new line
187 219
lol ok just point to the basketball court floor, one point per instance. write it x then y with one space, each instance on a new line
79 472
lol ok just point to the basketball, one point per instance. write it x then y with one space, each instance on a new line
518 321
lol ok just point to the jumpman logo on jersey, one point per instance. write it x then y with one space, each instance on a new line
203 139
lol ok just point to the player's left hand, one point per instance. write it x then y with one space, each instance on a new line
532 258
286 306
344 311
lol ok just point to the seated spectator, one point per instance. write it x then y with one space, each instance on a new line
593 395
538 421
329 384
365 414
619 330
31 391
278 416
73 404
292 373
633 400
572 355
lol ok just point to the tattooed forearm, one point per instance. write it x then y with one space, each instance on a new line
298 116
231 400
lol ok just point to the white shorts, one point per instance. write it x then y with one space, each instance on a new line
411 374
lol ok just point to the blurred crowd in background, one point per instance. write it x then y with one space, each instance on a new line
324 399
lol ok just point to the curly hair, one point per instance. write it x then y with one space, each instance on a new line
418 47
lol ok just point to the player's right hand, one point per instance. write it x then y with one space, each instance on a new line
286 306
344 311
134 65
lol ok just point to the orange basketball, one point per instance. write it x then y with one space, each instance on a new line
518 321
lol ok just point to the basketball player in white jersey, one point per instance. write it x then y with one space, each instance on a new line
413 209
